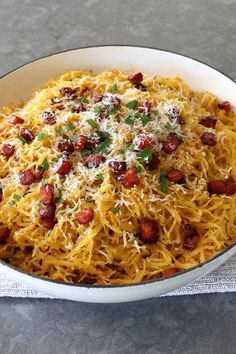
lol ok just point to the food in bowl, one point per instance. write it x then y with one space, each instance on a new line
116 179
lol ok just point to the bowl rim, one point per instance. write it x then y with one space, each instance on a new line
126 285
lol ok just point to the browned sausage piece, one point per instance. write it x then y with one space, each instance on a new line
56 100
85 216
49 118
63 166
171 143
117 167
26 134
148 231
69 93
80 143
93 141
154 162
130 178
4 234
48 211
47 193
175 176
208 122
141 87
78 107
208 139
39 174
27 178
226 106
7 150
145 107
66 145
93 160
220 187
48 223
191 236
169 272
135 78
14 120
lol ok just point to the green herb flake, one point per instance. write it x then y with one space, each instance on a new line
146 155
114 88
42 136
11 203
84 100
20 137
138 169
156 131
129 121
69 127
163 180
145 119
130 147
92 123
60 131
44 181
171 127
59 199
98 109
17 197
45 165
55 159
90 165
112 110
115 210
100 177
132 104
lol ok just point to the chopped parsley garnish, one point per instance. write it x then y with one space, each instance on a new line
112 110
69 127
130 147
171 127
92 123
84 100
99 176
17 197
132 104
85 152
90 165
146 155
114 88
44 181
102 147
45 164
22 139
42 136
55 159
156 131
129 121
59 199
98 109
145 119
60 131
163 180
138 168
115 210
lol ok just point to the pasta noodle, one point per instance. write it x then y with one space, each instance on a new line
109 248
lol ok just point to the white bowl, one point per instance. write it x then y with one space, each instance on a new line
18 85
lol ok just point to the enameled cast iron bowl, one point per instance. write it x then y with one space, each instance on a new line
19 84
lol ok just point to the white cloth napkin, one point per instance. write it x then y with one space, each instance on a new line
221 280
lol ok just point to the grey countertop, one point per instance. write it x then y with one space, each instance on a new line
199 324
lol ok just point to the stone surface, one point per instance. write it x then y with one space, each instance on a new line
188 324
